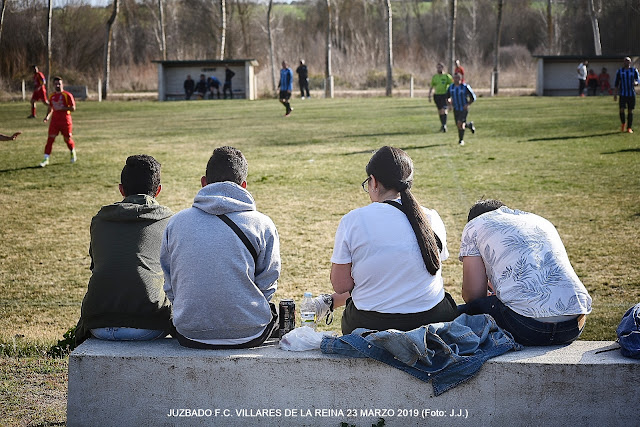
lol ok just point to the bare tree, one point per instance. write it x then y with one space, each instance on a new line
223 27
163 38
453 7
496 49
389 48
271 57
49 53
594 26
107 49
549 27
2 9
328 89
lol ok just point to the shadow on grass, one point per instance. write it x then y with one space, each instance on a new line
407 148
626 150
564 138
20 169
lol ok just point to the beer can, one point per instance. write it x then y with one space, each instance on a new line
286 316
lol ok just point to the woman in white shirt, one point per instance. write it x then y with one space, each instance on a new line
386 263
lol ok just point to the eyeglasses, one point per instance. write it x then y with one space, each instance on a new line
365 185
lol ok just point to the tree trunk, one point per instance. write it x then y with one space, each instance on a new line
163 38
271 58
223 27
49 54
453 7
549 27
4 6
596 29
328 87
107 49
496 48
389 48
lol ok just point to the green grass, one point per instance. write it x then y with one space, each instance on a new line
562 158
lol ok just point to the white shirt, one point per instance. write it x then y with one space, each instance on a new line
526 262
386 263
582 71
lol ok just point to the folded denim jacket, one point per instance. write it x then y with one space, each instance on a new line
446 353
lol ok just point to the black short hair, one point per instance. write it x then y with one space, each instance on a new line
483 206
140 175
227 164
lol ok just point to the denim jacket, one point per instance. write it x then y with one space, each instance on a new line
448 353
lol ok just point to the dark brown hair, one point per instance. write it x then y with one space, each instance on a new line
393 168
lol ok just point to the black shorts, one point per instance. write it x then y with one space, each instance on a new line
440 101
285 94
461 116
627 102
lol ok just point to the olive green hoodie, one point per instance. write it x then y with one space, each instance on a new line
125 288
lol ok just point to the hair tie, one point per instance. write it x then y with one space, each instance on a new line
404 185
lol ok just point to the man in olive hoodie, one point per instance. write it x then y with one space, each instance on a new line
220 280
125 300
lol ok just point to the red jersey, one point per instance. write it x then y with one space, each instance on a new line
60 100
38 80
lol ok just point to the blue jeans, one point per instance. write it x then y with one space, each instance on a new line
525 330
127 334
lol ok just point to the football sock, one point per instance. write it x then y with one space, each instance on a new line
460 134
622 117
630 119
33 111
443 119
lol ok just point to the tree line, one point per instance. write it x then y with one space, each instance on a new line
359 42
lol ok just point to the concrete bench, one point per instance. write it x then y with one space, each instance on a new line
160 383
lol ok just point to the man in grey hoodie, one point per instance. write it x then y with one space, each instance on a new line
220 285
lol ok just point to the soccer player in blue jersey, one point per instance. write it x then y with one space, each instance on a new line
286 86
460 97
626 80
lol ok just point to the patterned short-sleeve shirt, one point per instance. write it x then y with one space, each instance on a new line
526 262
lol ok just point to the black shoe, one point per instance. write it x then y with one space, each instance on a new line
472 127
31 116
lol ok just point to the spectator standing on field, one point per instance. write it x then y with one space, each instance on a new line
221 262
441 82
189 87
286 86
460 96
61 104
626 81
582 76
39 91
303 79
125 300
228 75
515 268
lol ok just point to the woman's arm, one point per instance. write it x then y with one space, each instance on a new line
341 278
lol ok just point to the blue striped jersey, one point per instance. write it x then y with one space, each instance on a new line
625 81
460 95
286 79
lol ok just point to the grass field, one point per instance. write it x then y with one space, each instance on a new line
563 158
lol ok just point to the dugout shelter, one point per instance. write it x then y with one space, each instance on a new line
172 74
558 76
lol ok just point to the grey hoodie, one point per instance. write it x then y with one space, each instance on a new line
216 289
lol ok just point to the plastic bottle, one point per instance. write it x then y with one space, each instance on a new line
308 311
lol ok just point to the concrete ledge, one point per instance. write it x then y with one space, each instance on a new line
141 383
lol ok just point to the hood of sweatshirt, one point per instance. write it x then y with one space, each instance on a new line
224 197
137 207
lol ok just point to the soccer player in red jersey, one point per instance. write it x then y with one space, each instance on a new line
39 91
61 104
